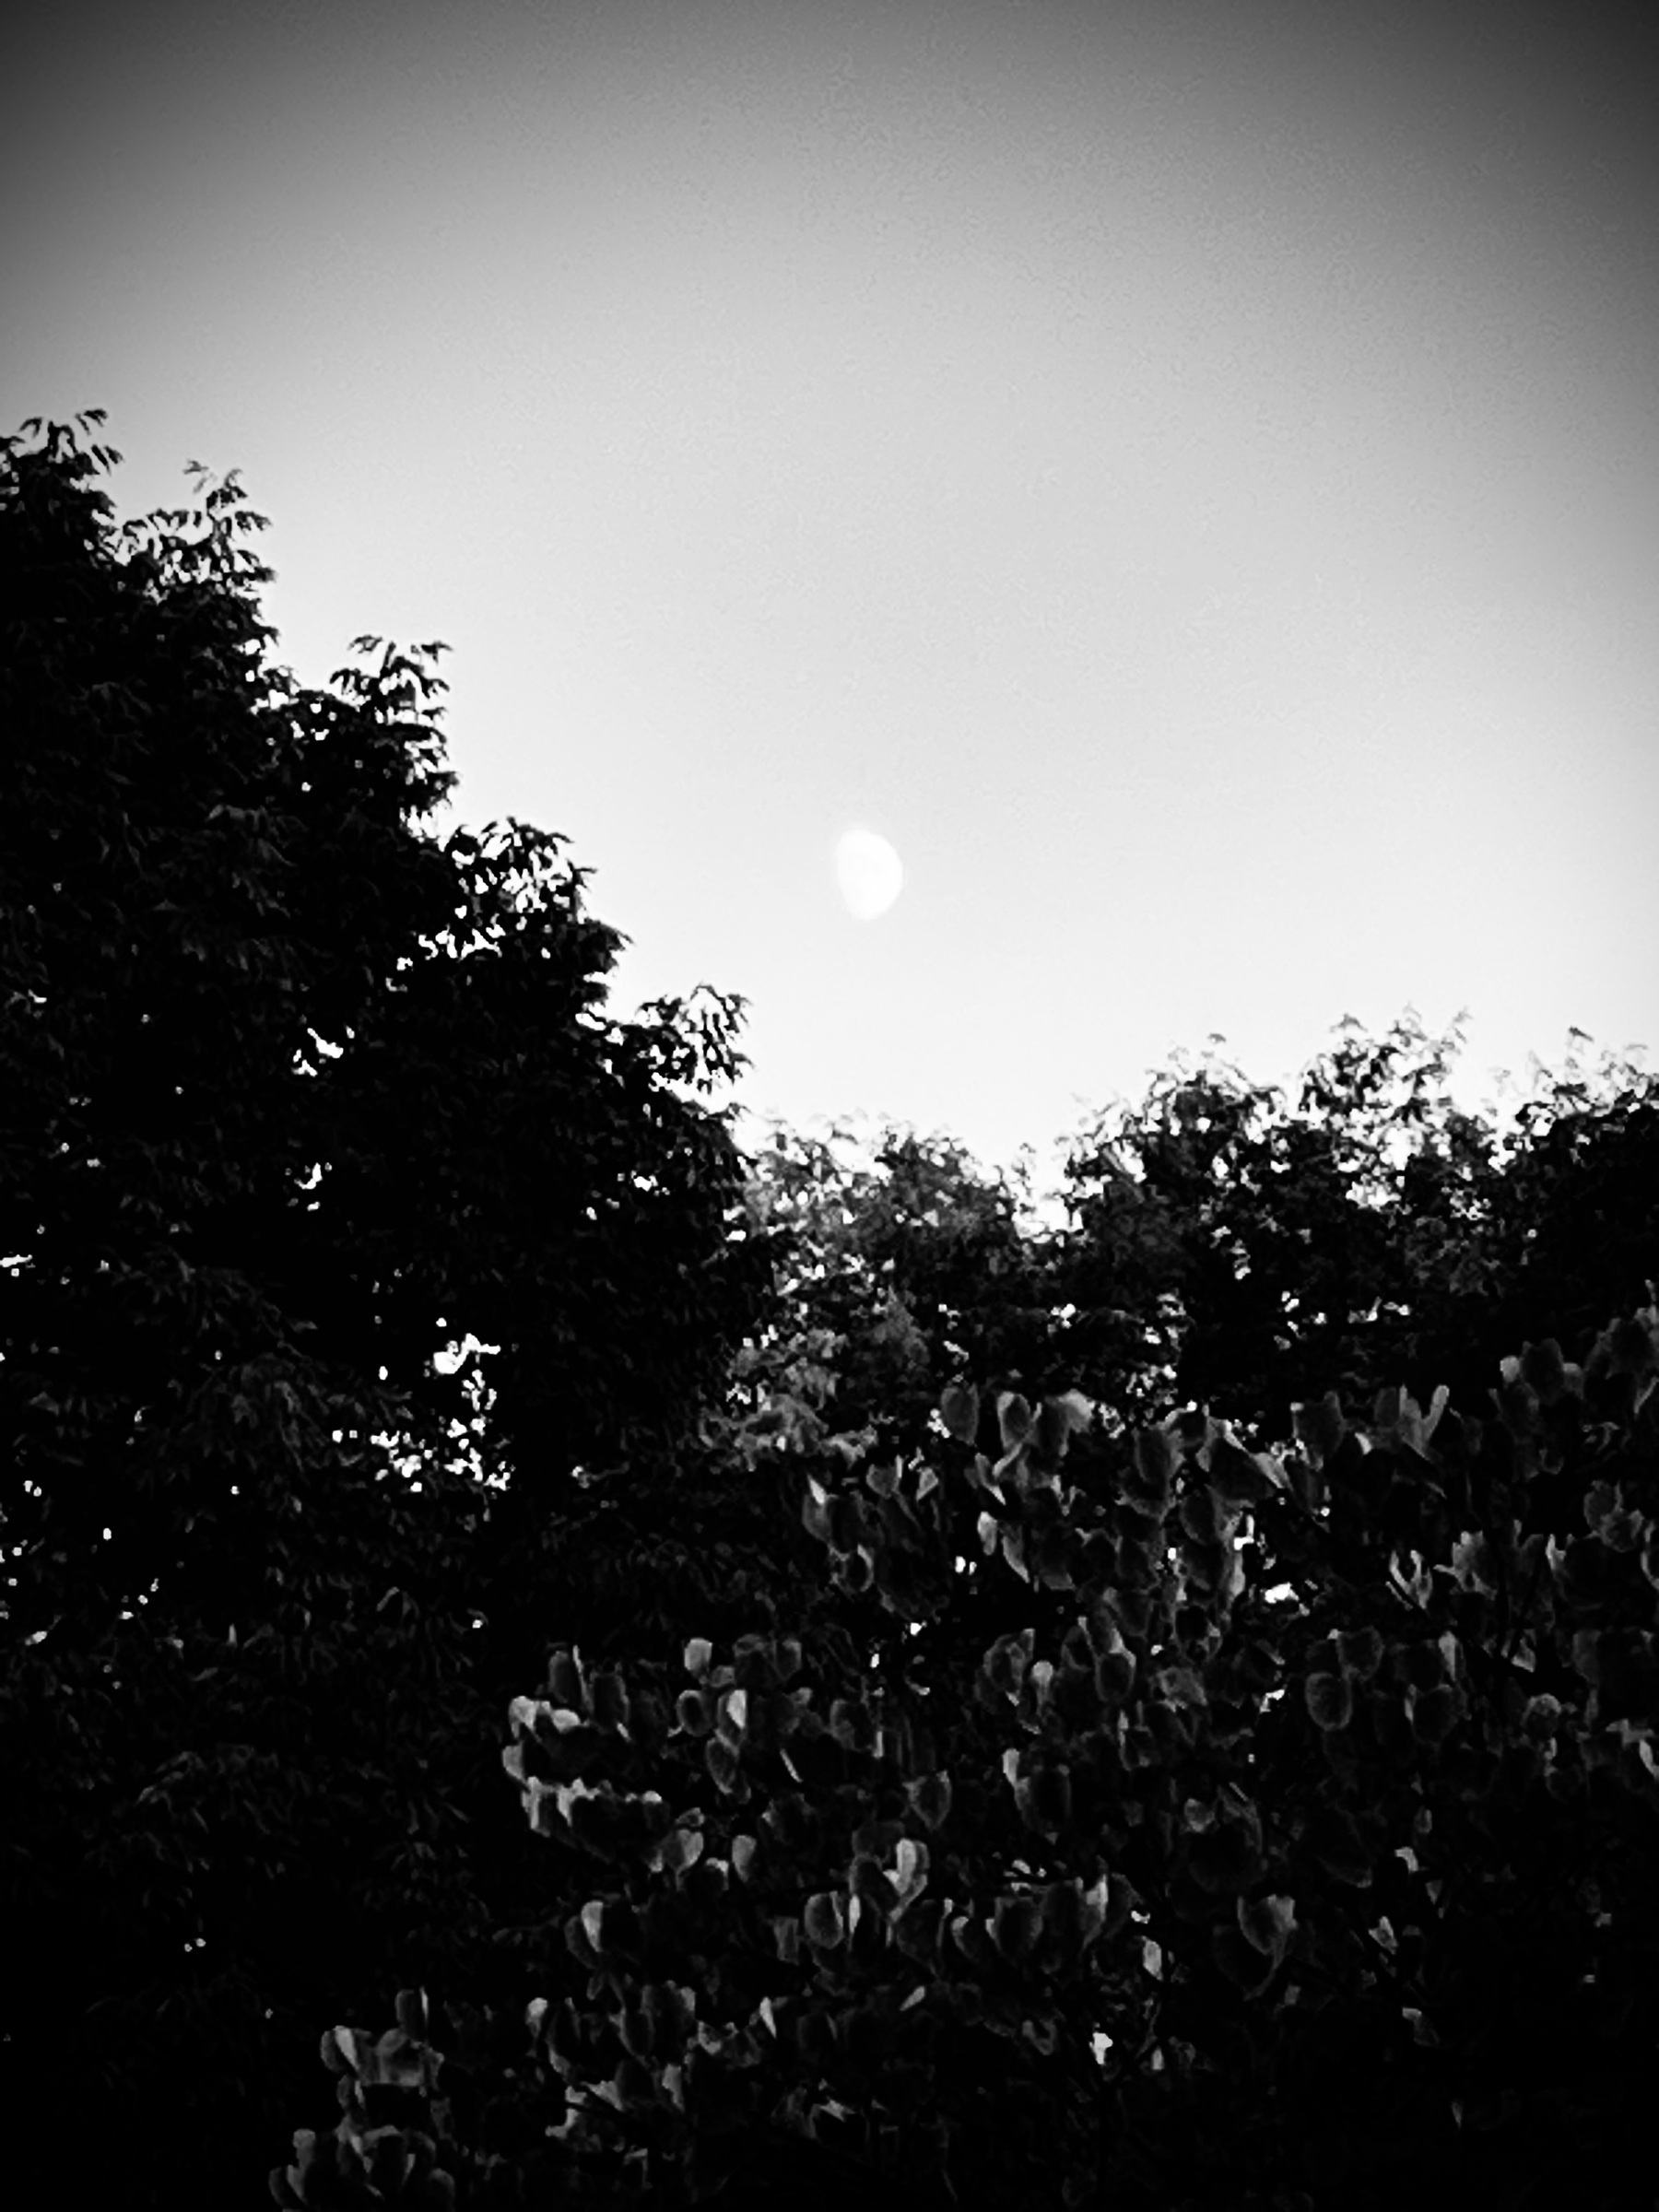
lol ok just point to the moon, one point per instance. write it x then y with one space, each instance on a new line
870 873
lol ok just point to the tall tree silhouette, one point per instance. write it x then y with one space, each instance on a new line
294 1096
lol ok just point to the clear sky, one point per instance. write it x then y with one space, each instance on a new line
1186 476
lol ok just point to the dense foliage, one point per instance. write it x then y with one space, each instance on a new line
294 1098
1223 1244
378 1317
1299 1851
1220 1824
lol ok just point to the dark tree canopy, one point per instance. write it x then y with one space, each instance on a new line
293 1097
1223 1244
286 1076
1371 1233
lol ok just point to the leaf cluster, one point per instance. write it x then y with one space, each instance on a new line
1300 1843
1222 1244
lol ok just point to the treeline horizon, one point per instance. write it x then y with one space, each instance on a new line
295 1095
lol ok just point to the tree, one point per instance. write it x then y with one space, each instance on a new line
1223 1244
1373 1232
891 1278
1258 1825
338 1224
1299 1848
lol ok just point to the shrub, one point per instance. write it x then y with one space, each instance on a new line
1293 1842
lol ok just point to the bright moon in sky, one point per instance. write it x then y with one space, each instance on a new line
869 872
1238 417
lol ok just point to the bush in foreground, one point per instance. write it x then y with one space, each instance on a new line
1299 1849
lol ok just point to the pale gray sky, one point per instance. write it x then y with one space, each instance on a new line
1187 476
